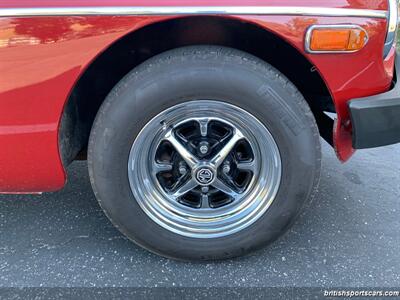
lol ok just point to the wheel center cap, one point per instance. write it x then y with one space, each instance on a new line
205 176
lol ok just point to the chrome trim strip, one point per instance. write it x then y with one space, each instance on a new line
393 15
392 27
190 10
311 28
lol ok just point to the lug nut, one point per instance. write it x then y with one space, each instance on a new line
182 169
226 168
205 189
203 149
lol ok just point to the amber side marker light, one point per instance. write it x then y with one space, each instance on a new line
335 39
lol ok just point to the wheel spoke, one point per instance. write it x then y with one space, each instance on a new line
185 188
246 166
204 201
189 158
223 187
162 167
203 126
218 159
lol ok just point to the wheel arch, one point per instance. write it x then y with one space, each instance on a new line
136 47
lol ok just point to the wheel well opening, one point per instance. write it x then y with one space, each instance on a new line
130 51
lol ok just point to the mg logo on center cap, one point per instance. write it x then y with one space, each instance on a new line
205 176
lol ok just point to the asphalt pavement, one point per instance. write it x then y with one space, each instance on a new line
348 237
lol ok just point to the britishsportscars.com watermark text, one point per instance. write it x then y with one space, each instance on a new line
361 293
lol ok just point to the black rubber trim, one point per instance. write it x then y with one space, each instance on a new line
376 119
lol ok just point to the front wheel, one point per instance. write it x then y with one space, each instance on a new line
204 153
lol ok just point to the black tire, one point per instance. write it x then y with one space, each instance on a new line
203 72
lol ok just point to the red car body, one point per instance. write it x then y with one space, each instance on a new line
42 57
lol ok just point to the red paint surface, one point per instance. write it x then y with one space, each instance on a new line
41 58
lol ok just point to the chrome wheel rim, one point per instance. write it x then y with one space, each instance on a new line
204 169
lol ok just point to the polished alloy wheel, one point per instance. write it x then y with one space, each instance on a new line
204 169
